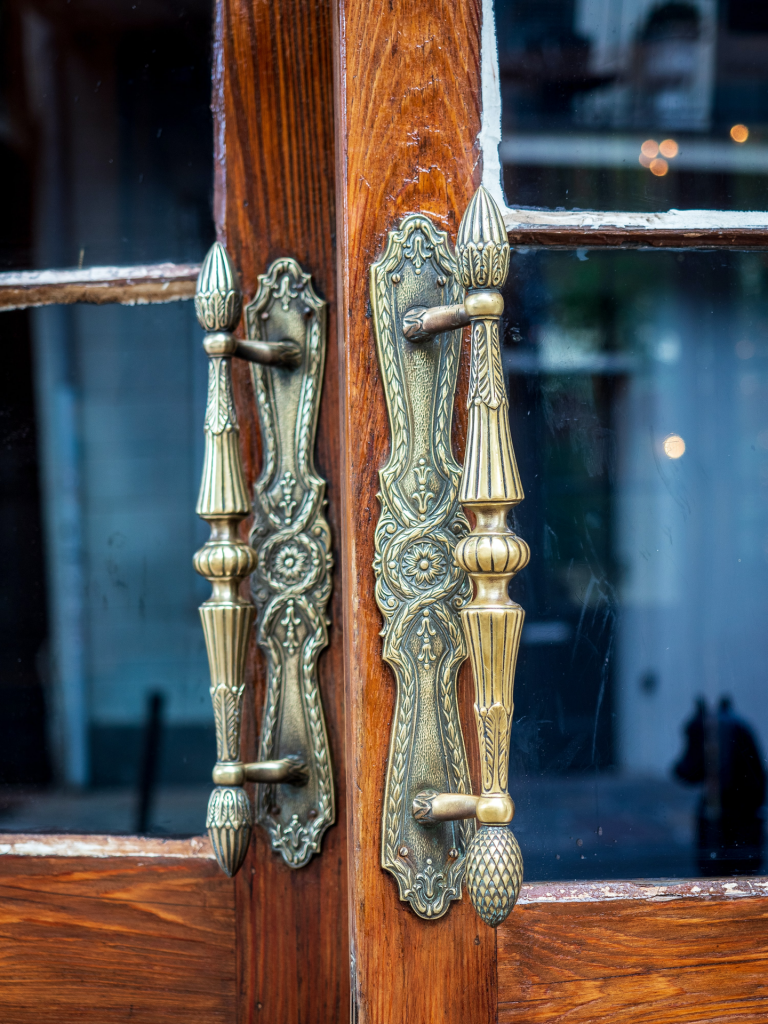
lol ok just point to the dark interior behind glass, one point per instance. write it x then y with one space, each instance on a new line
639 409
106 158
634 104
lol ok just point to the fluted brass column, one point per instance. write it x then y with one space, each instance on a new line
225 560
491 554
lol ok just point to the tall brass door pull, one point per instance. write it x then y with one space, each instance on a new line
289 560
489 556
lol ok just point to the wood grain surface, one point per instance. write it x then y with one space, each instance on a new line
407 119
667 960
125 939
273 124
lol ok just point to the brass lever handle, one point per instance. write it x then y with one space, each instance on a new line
226 560
491 554
269 353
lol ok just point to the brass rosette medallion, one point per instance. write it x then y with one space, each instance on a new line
419 588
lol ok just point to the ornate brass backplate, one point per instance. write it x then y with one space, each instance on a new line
291 583
419 588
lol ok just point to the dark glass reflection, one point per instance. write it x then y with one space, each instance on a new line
723 756
106 144
634 104
106 157
639 387
105 717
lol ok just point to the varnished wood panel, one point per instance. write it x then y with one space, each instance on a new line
663 960
273 124
408 118
116 939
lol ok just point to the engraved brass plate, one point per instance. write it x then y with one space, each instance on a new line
419 588
292 581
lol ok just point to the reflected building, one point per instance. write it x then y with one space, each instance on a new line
106 137
586 82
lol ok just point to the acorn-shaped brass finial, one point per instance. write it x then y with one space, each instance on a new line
494 873
218 298
229 823
482 247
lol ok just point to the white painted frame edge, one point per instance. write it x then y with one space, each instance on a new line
19 844
489 141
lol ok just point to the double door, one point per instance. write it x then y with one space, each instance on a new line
331 125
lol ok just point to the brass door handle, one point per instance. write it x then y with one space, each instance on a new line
490 555
295 757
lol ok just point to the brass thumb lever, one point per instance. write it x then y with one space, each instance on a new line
491 554
226 560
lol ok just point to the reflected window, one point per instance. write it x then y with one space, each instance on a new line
634 104
105 131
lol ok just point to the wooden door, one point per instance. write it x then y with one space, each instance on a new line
415 122
331 124
98 927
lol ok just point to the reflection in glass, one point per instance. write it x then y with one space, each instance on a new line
723 757
105 132
106 722
639 405
634 104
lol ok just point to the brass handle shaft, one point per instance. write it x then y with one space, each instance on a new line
269 353
491 554
290 770
225 560
420 323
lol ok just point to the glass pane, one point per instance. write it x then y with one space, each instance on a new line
106 143
639 405
104 665
634 104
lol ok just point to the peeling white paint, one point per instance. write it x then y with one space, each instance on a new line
489 141
21 845
671 220
597 892
490 94
101 276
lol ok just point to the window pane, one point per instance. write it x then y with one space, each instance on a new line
639 405
634 104
102 417
105 132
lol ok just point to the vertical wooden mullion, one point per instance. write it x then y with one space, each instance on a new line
273 131
408 117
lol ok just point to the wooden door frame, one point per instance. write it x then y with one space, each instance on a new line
275 196
408 117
